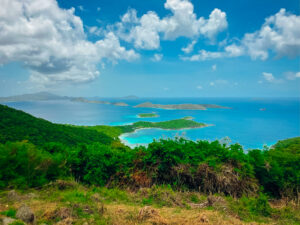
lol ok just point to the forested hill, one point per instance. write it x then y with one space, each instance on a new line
16 125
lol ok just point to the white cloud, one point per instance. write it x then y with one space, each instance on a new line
190 47
146 36
51 42
94 30
98 9
199 87
269 77
157 57
203 55
234 50
279 34
146 32
214 67
292 75
212 83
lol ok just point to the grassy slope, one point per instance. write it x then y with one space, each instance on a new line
16 125
80 204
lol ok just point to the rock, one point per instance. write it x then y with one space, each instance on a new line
147 212
7 220
25 214
13 196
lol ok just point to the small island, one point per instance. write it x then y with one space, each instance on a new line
180 106
147 115
177 124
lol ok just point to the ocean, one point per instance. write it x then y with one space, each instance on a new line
245 123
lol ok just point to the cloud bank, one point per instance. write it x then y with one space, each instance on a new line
51 42
280 34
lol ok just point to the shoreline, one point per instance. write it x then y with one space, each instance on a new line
124 135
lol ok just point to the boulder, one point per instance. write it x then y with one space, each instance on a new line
25 214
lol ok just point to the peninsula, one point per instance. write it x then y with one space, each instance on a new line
187 106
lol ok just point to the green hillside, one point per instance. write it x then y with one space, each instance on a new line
16 125
89 168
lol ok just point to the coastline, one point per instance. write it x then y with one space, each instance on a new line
124 135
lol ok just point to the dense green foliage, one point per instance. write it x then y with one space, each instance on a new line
16 125
24 165
95 156
170 124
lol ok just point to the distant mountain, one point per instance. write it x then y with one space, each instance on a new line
40 96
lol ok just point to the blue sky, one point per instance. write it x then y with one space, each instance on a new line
171 48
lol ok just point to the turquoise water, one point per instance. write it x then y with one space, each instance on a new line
244 123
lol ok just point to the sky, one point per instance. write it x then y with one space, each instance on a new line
157 48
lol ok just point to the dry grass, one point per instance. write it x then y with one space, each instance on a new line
62 208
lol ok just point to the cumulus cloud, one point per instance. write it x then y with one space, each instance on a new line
146 32
94 30
157 57
280 34
51 42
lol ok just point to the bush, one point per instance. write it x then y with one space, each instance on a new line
24 165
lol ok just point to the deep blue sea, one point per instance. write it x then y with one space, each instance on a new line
244 123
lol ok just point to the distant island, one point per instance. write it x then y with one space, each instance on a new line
180 106
98 102
40 96
45 96
147 115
